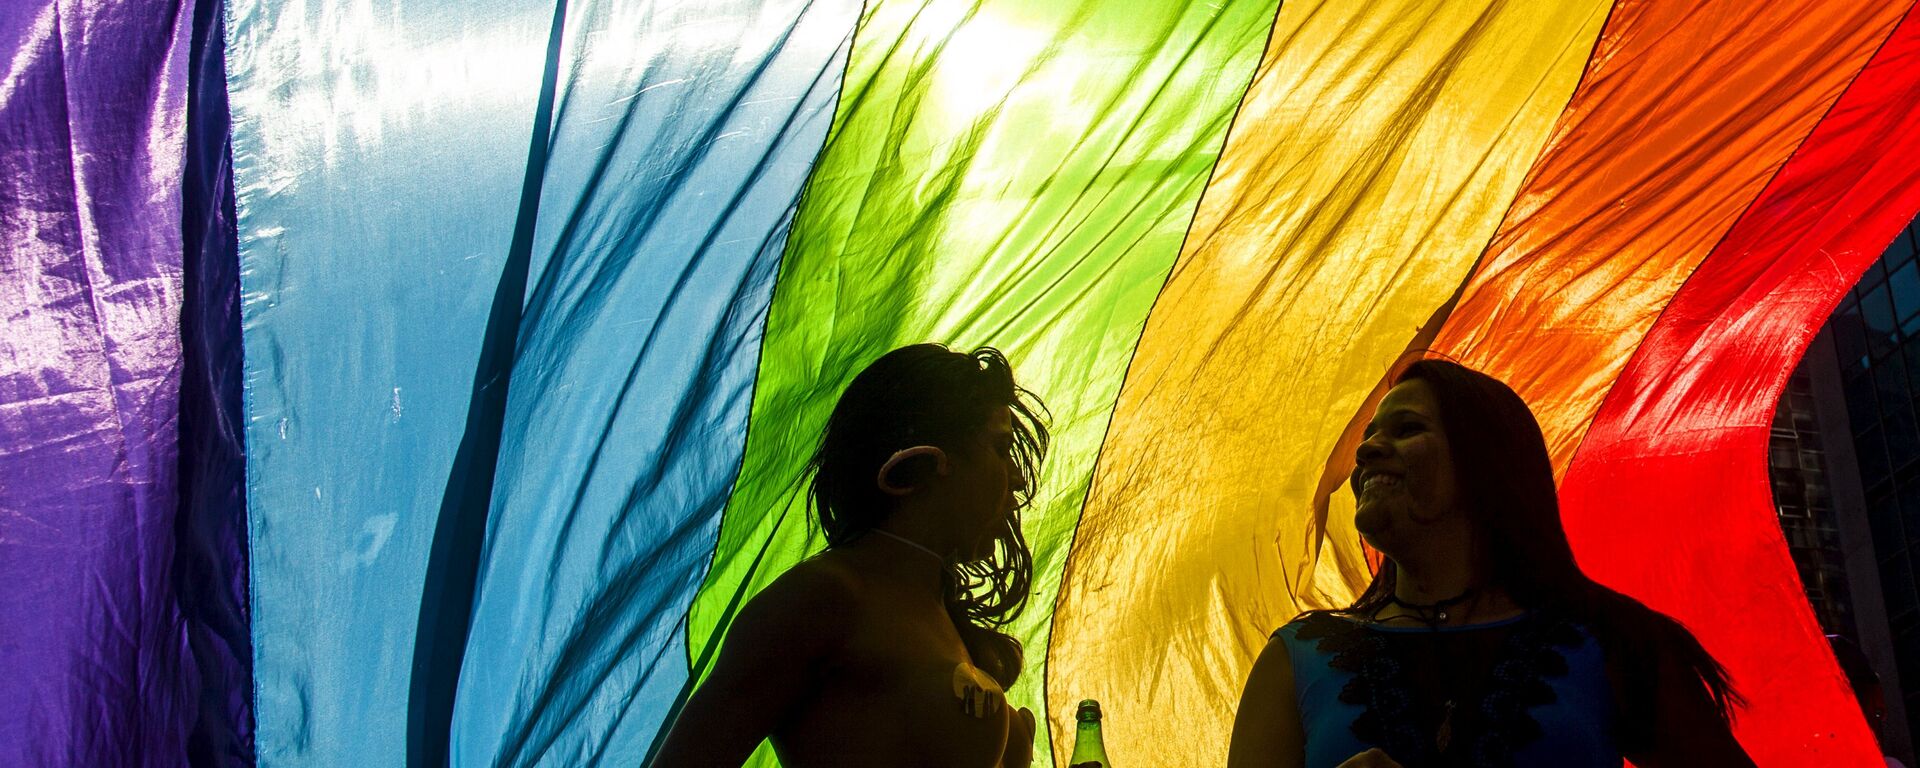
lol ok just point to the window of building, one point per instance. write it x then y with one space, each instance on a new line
1899 251
1912 353
1876 274
1849 331
1906 649
1861 409
1803 421
1888 532
1904 283
1903 437
1876 308
1874 469
1909 500
1890 380
1781 456
1811 467
1896 582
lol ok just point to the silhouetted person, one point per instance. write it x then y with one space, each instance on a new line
1866 688
1479 642
885 649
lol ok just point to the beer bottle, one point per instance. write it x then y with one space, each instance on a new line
1088 750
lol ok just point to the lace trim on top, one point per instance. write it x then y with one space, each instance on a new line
1530 655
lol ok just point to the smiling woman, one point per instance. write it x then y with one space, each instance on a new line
1403 472
434 377
1479 641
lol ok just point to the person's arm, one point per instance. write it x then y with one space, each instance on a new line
771 659
1019 750
1266 731
1687 729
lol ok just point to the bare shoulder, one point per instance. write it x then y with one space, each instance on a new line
822 579
813 603
1267 732
768 665
1274 665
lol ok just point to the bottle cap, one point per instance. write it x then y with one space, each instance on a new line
1089 711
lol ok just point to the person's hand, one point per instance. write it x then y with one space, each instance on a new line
1019 751
1372 758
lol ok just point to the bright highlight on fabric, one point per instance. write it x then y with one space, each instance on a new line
257 306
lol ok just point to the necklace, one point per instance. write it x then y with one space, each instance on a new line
1438 611
916 545
1432 614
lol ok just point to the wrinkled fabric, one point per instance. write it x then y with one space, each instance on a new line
1325 239
379 155
1649 176
682 136
1003 173
93 108
1645 175
1677 447
459 534
210 560
539 309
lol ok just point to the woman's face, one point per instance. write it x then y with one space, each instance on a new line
983 484
1403 481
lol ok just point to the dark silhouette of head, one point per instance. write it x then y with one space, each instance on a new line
928 395
1503 474
1504 478
1864 681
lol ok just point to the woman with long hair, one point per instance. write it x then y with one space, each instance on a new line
1479 642
887 648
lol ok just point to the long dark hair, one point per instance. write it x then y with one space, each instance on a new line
926 394
1517 514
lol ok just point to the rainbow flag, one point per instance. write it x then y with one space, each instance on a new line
404 382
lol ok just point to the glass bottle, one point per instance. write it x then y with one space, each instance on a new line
1088 750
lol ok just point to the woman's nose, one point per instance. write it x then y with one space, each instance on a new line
1370 450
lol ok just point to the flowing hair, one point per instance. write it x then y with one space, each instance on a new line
926 394
1516 512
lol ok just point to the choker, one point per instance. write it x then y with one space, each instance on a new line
1438 611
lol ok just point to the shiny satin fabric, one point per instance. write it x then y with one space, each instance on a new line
1007 173
682 135
93 127
1679 445
1374 155
210 559
1646 174
379 152
1647 177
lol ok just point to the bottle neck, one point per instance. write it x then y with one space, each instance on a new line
1088 746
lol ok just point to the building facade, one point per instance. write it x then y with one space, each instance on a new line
1844 458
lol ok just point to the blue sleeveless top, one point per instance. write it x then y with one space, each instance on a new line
1535 693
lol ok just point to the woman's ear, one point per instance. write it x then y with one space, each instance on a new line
887 486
